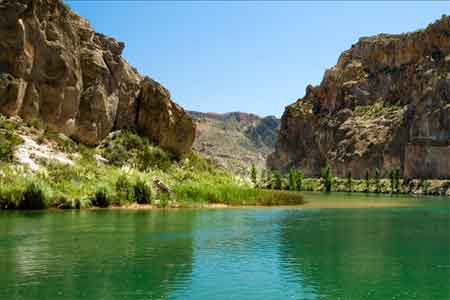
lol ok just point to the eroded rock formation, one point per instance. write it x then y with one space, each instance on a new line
385 104
54 67
235 140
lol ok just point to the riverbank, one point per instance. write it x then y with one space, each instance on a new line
40 168
433 187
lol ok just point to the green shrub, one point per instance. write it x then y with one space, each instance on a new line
8 143
377 181
10 195
116 154
153 157
367 181
123 188
102 197
349 181
254 174
142 193
327 178
33 197
7 124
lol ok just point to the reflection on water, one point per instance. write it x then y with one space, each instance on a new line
369 254
280 253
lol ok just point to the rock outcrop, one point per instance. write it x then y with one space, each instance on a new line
235 140
55 68
385 104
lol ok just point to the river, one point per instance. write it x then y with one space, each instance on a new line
337 246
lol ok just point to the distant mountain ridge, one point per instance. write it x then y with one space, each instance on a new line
236 140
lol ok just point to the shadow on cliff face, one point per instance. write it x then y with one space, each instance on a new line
54 67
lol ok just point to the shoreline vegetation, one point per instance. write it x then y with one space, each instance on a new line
127 170
124 170
376 182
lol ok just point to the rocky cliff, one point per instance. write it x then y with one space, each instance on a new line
236 140
55 68
385 104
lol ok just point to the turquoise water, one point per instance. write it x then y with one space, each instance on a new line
254 253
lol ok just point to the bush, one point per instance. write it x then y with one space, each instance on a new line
116 154
9 196
33 197
327 178
153 157
142 193
123 188
8 143
102 197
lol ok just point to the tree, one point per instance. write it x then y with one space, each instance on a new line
367 181
392 178
397 177
292 179
377 180
263 178
277 181
299 180
253 174
349 181
327 178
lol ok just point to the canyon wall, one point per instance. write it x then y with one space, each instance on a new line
385 105
56 69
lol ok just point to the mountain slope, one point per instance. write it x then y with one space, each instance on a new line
236 140
385 105
56 69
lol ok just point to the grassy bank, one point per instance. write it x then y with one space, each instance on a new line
124 169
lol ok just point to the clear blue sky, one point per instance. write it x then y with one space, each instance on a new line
245 56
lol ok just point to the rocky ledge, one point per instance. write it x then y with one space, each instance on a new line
385 105
56 69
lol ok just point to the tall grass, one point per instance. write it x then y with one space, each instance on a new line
235 195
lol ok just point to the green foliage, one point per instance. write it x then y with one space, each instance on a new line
277 181
292 181
234 195
33 197
299 180
102 197
116 154
125 147
327 178
153 157
142 193
349 181
124 188
367 177
425 185
376 110
8 143
10 195
295 180
395 176
377 181
254 174
63 143
8 124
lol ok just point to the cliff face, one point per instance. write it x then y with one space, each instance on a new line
54 67
235 140
385 104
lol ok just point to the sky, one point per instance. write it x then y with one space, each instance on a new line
253 56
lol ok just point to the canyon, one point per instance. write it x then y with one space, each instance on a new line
385 105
